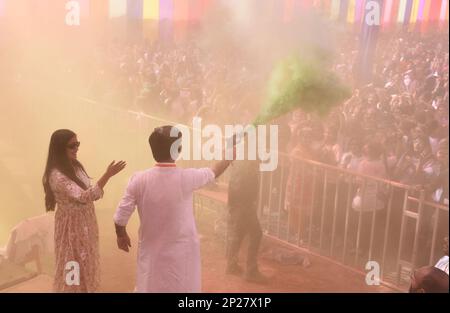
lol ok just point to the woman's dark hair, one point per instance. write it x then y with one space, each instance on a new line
57 159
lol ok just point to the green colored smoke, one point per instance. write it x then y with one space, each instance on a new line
305 83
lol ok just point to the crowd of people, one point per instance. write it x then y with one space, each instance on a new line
395 127
176 80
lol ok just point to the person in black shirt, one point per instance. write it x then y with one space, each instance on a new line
243 221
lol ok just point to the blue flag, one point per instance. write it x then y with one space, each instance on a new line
368 40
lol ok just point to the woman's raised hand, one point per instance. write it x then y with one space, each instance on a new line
115 168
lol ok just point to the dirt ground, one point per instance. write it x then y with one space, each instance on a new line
118 269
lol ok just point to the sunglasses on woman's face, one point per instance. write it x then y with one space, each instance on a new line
73 145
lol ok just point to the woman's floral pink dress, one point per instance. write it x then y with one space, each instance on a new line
76 233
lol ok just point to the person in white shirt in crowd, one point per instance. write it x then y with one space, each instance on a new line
429 279
350 160
442 264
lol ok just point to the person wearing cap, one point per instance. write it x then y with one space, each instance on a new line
169 250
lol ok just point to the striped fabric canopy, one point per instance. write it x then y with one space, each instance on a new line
405 12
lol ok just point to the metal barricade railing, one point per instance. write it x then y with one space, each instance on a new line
352 218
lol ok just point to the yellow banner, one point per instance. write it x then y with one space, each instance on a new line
351 11
117 8
414 11
151 9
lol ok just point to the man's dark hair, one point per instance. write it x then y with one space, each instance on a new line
160 142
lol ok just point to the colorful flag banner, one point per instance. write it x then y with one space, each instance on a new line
134 9
368 45
435 10
98 10
426 11
181 10
395 10
343 10
195 10
275 10
420 11
165 10
166 20
444 11
325 7
335 8
387 11
351 11
288 10
151 10
84 8
206 5
408 11
359 10
117 8
414 11
2 7
401 11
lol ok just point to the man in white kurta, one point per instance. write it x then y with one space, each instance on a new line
168 249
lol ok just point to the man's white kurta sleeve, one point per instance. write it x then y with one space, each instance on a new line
127 205
200 177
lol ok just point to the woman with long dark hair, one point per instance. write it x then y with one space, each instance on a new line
67 185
